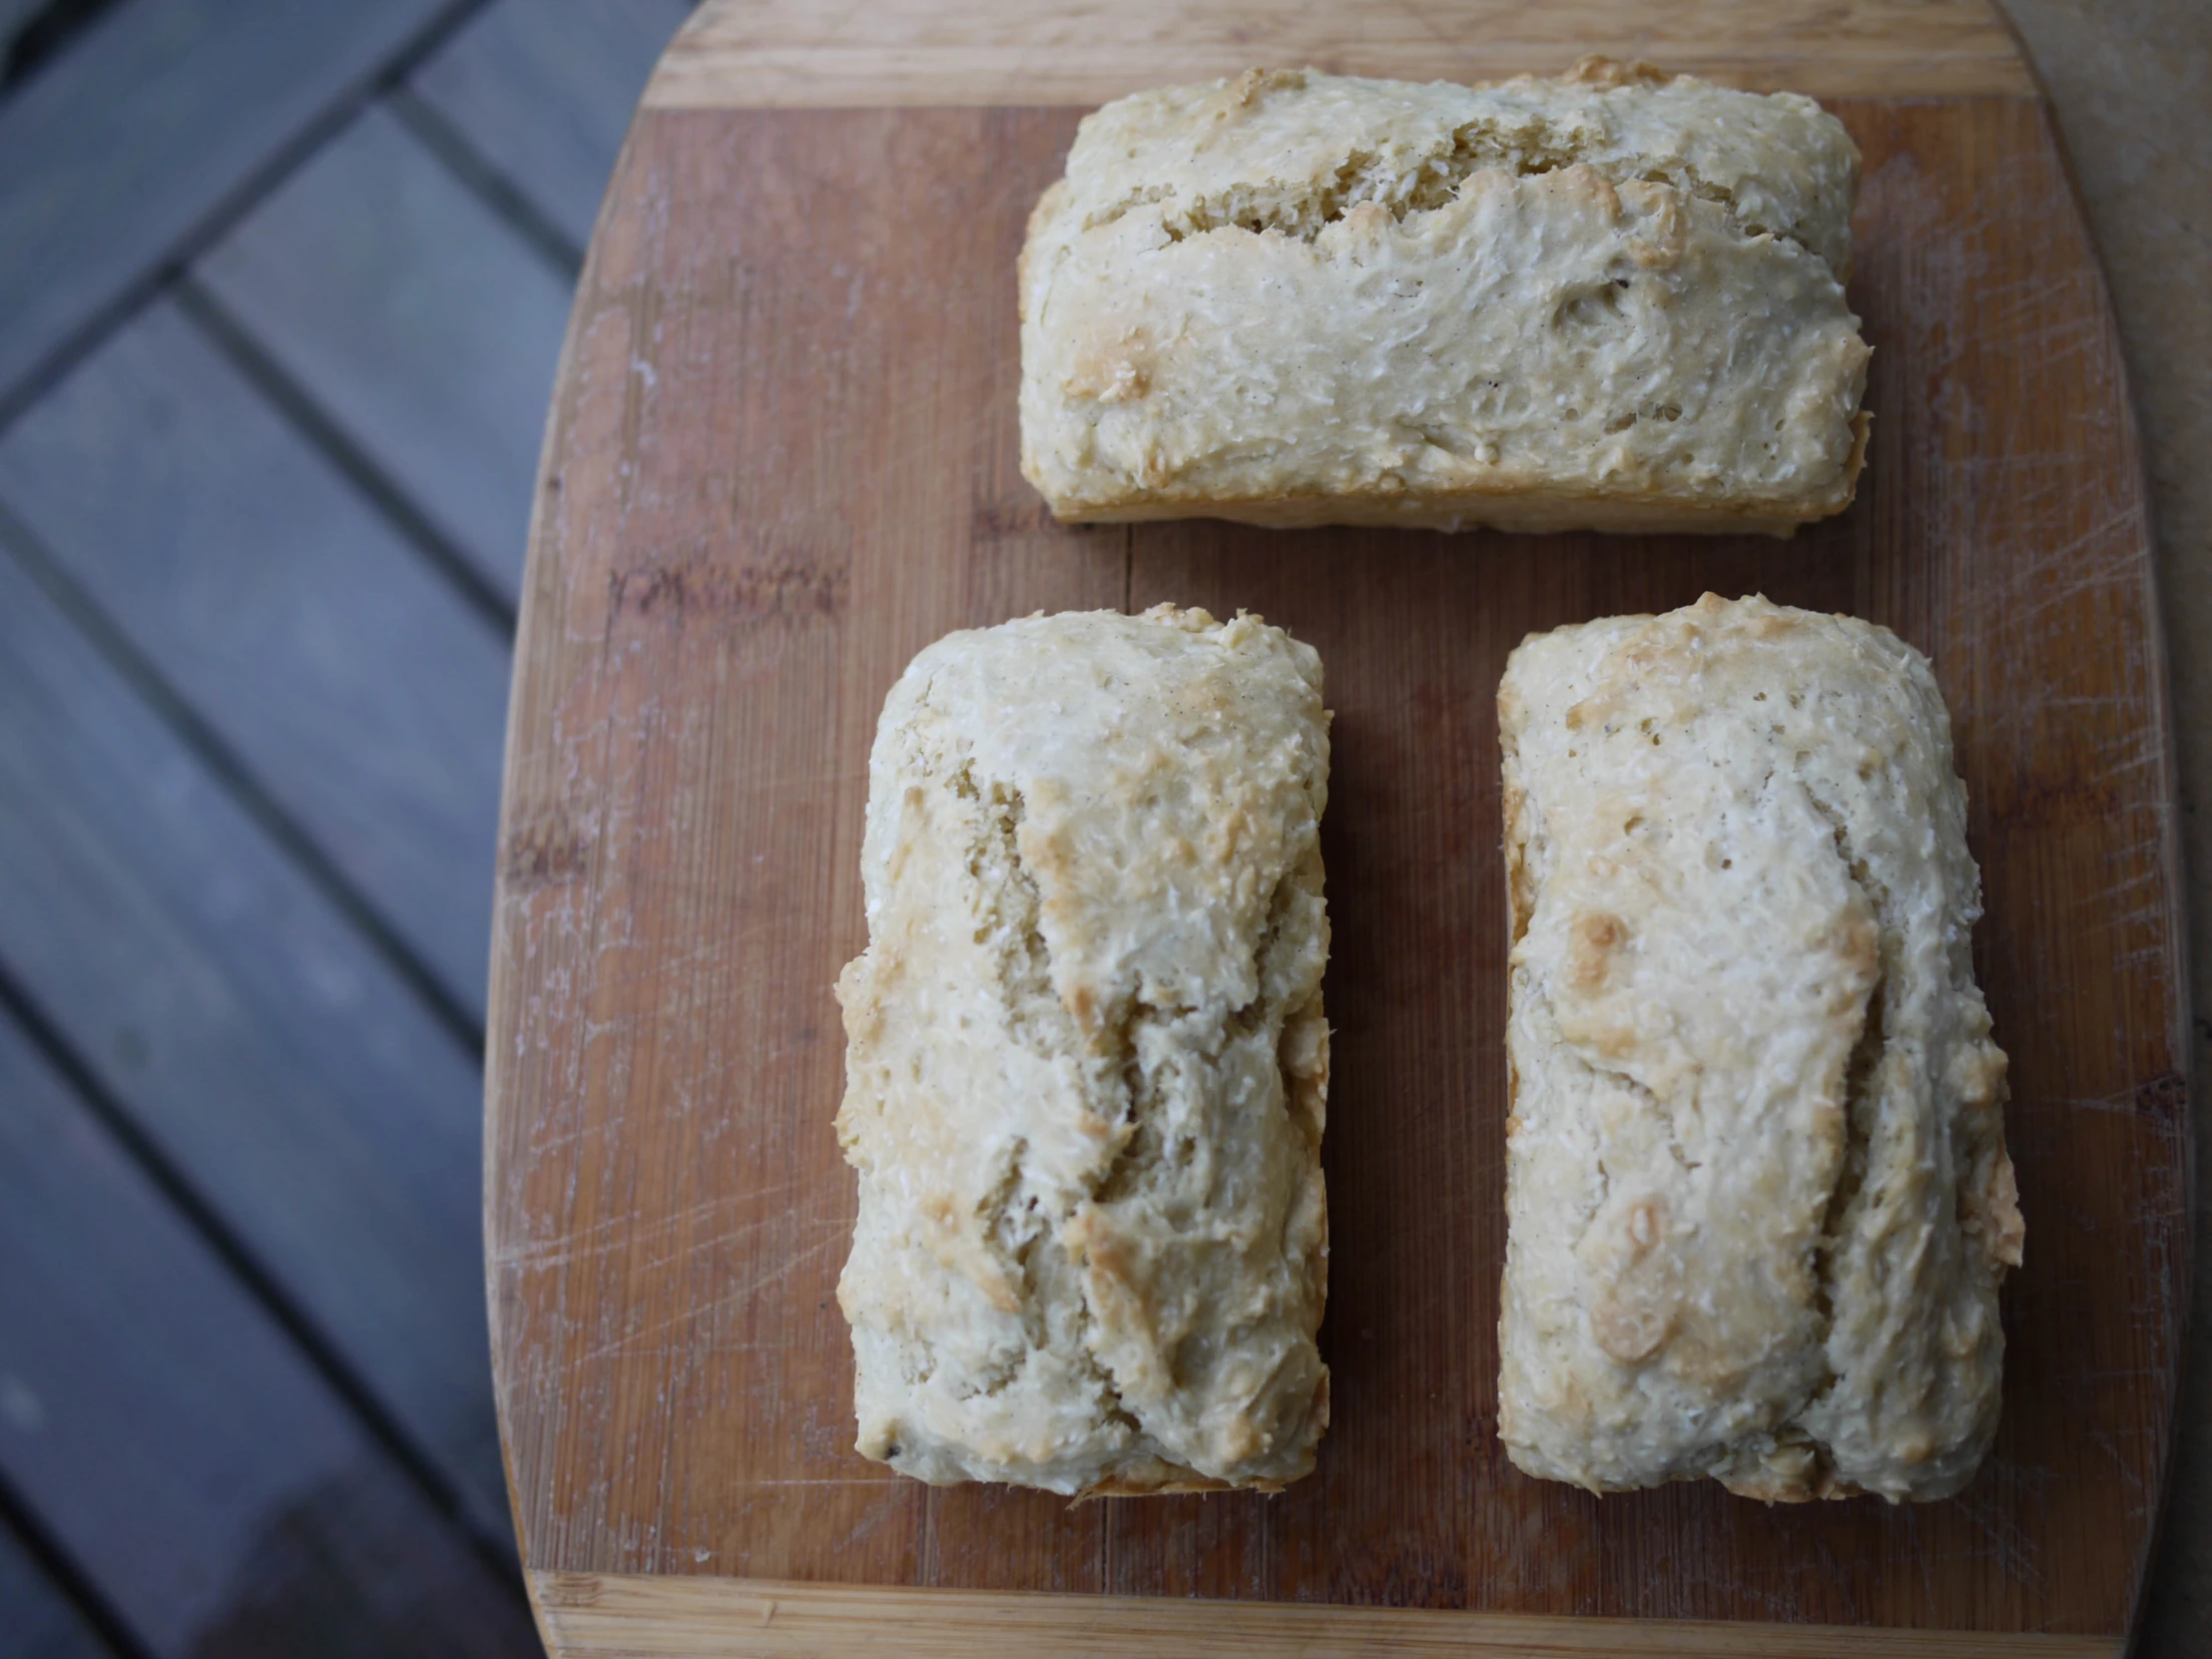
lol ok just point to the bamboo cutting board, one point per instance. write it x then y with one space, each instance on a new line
781 458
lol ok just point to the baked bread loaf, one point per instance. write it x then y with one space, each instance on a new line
1758 1199
1612 301
1085 1062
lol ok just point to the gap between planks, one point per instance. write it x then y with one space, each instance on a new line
660 1616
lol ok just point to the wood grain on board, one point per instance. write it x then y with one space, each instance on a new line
793 54
591 1616
783 458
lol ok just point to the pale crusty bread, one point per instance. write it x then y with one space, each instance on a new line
1757 1198
1086 1064
1611 300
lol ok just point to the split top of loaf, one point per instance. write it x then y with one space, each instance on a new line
1609 300
1756 1192
1087 1062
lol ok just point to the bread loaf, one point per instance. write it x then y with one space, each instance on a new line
1086 1063
1757 1198
1612 301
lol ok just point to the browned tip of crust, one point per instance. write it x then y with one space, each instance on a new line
1583 180
1631 1330
1081 1003
1255 84
1167 1484
1592 937
1156 1477
1783 1490
1862 428
1595 70
1040 215
2007 1232
1790 1474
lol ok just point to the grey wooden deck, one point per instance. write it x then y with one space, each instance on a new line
282 285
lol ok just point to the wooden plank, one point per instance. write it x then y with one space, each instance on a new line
203 1480
643 1616
544 90
764 490
41 1621
425 326
793 54
150 126
249 1032
365 694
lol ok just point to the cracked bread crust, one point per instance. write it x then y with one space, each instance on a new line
1758 1199
1612 301
1086 1063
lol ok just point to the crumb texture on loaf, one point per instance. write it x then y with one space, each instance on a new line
1086 1061
1757 1198
1611 300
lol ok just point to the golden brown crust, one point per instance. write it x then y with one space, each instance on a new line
1169 1479
1087 1061
1612 301
1596 70
1757 1198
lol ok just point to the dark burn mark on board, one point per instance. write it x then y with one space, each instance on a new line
785 592
542 851
2166 1098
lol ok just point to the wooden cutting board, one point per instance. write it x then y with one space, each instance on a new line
781 458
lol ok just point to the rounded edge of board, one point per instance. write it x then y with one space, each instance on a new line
656 1616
